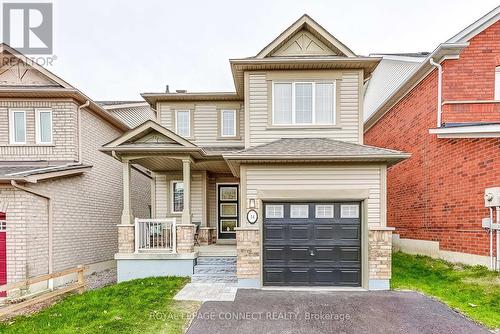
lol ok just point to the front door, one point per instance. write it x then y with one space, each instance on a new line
227 210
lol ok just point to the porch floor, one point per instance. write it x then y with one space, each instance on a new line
216 250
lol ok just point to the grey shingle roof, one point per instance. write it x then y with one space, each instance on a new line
23 171
304 147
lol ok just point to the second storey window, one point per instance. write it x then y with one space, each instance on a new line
177 196
43 126
183 122
17 126
228 123
303 103
497 83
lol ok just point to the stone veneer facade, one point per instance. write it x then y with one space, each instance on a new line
379 254
248 253
185 238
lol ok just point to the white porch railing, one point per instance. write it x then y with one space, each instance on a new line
155 235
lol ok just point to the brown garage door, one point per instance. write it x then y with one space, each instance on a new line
312 243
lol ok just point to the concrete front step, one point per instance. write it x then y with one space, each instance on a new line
217 260
214 278
215 269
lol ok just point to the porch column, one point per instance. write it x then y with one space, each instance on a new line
127 216
186 178
126 228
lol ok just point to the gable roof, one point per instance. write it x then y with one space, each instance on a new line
451 49
58 88
149 134
306 23
475 28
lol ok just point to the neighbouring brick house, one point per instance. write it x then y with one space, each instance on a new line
268 185
435 198
60 198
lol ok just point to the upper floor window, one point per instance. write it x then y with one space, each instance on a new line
228 123
43 119
497 83
177 196
303 103
183 122
17 126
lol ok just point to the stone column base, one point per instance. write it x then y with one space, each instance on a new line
207 235
185 238
248 254
380 256
126 238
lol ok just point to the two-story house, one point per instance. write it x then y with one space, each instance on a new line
271 181
60 198
444 108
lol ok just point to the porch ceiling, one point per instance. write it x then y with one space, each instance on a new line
163 163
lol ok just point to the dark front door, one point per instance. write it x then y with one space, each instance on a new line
312 243
227 210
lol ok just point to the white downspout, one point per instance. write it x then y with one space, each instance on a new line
492 262
440 83
498 239
49 223
85 105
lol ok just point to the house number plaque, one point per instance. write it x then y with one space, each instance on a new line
252 216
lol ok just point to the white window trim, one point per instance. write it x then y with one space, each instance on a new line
349 205
222 122
172 196
293 83
324 217
12 136
37 128
299 217
189 122
275 205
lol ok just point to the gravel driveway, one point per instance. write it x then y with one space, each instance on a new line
264 311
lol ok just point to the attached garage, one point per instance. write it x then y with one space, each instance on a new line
312 243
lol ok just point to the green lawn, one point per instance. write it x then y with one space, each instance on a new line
472 290
139 306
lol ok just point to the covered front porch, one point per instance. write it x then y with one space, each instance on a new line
195 203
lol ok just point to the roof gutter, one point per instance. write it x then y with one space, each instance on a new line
440 89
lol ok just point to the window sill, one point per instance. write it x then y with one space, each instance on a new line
229 138
28 145
294 127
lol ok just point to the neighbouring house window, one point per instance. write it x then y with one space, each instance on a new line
177 196
274 211
349 211
183 123
43 126
17 126
324 211
228 123
303 103
497 83
299 211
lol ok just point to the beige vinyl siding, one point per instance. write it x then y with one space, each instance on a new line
163 196
310 179
165 116
205 121
260 125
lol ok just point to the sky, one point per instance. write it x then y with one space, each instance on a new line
116 49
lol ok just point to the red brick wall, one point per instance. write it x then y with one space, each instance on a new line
437 194
472 78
